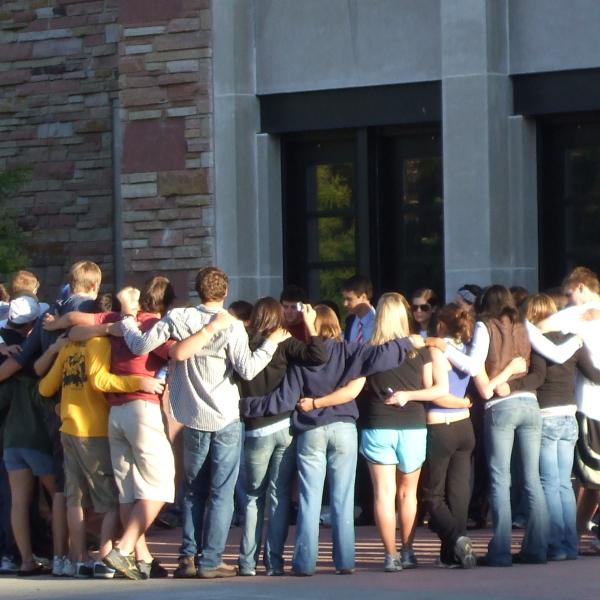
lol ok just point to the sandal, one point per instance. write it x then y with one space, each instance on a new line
38 569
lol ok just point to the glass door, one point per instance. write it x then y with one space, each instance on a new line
569 198
411 216
320 216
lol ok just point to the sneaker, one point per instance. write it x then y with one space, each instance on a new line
58 563
408 560
187 568
83 570
218 572
463 550
440 564
122 564
69 567
344 572
8 566
102 571
275 572
247 572
152 570
391 563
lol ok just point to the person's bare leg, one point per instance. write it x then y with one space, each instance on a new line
384 490
107 532
142 552
21 490
60 535
140 518
76 523
407 505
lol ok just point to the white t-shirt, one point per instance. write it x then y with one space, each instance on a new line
587 394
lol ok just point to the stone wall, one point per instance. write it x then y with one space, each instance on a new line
64 67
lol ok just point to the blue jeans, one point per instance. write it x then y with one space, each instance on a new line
559 435
327 449
270 469
211 461
515 417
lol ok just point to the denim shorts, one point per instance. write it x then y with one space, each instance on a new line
39 463
402 447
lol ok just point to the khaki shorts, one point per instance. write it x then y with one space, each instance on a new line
142 456
89 479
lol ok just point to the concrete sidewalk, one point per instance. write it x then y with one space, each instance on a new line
577 580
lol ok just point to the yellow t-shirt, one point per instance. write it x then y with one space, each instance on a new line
83 409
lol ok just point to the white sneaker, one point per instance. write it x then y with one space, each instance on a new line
69 567
8 566
58 566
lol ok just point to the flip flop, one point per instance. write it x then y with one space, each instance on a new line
39 569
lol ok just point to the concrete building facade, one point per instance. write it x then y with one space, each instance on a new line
426 142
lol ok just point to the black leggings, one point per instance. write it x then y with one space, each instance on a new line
447 483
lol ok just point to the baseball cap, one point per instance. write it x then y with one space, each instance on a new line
25 309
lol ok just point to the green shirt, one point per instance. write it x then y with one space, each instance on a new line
24 424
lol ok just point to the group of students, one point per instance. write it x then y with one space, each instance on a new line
284 391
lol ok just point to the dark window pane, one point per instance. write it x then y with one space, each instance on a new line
325 283
582 174
331 239
423 182
330 187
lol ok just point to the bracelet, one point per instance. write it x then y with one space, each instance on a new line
313 403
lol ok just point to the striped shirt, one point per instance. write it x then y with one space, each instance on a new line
202 390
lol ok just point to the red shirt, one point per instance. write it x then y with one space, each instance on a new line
299 331
124 362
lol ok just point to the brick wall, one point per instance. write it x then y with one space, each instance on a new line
62 63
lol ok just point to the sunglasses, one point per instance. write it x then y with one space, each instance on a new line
421 307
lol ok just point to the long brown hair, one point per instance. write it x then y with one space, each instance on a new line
265 318
157 296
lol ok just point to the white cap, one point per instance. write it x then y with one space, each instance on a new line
25 309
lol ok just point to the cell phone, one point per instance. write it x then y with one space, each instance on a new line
390 391
299 307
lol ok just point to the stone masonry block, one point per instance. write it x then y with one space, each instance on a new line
179 41
139 177
178 183
54 130
182 66
138 190
138 49
55 48
143 31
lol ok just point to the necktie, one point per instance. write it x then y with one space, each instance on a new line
359 332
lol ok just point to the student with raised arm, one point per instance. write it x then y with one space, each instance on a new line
318 431
205 399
